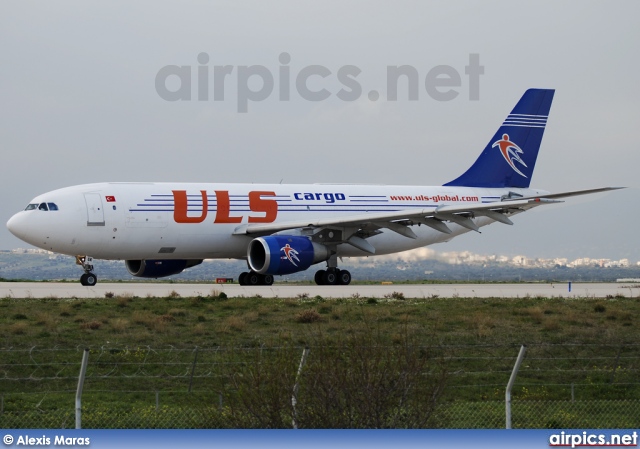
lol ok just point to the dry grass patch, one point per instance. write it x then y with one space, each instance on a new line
158 325
264 311
177 312
65 310
308 316
91 325
552 324
47 321
234 323
251 317
120 324
143 317
484 326
19 328
199 329
123 301
536 314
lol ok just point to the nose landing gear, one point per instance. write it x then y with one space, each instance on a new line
88 279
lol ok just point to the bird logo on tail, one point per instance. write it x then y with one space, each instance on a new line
511 153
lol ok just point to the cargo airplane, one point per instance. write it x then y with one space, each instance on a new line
161 229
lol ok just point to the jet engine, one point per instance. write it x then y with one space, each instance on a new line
159 268
284 254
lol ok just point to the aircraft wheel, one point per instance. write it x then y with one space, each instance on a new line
344 277
253 278
330 277
267 279
319 278
88 279
242 279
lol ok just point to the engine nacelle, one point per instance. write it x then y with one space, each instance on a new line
284 254
159 268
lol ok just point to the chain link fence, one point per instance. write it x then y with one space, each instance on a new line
359 386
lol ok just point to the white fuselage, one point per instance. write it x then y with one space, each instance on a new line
168 220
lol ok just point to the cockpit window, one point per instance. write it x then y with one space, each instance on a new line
42 206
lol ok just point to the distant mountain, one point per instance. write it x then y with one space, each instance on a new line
418 265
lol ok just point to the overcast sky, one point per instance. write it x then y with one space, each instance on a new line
80 104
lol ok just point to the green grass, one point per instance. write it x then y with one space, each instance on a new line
210 321
465 348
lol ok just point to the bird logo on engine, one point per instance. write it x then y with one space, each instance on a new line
290 254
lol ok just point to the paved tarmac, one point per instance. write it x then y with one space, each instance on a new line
543 290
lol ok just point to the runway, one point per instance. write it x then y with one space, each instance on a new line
542 290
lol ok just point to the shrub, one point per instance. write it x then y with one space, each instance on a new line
92 325
308 316
174 295
395 295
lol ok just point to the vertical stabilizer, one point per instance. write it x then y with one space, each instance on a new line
510 156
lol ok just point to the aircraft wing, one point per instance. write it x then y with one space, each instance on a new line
354 229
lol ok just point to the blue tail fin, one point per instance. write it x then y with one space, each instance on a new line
509 158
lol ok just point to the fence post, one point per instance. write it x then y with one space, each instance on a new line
157 401
512 380
83 373
193 369
294 399
615 366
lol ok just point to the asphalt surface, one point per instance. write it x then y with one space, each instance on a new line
545 290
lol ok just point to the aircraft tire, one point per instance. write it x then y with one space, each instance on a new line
88 279
253 278
267 279
242 279
330 277
319 277
344 277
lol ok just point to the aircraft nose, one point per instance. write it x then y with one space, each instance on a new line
11 225
15 225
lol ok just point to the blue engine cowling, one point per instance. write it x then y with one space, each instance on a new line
159 268
284 254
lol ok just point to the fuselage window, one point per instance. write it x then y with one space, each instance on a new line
31 206
52 206
43 206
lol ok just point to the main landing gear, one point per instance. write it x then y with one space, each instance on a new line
253 278
88 279
333 276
